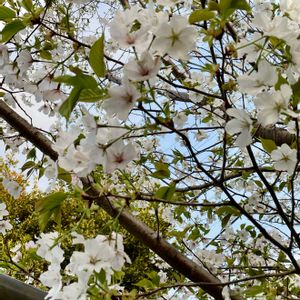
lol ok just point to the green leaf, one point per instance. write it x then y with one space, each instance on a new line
268 145
67 107
165 192
80 81
227 7
92 95
254 290
234 4
31 154
281 257
6 13
201 15
50 202
213 5
280 82
296 92
145 283
27 4
96 57
50 206
28 165
45 54
63 79
11 29
162 171
228 210
85 89
64 175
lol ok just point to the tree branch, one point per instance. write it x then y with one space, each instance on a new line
143 233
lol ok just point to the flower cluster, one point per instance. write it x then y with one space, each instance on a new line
4 224
100 254
12 187
99 147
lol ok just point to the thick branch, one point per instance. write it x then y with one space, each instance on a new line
29 132
147 236
278 135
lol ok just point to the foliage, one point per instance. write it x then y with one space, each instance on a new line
27 266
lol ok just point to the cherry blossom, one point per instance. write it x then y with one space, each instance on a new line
285 158
24 61
5 226
144 69
272 104
118 155
121 30
121 99
4 57
176 38
12 187
242 124
254 82
3 211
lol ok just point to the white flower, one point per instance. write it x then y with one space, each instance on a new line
180 119
54 95
29 245
118 260
144 69
251 50
3 211
65 139
253 83
51 171
226 293
200 135
96 256
279 27
79 159
122 99
292 8
242 124
53 279
5 226
45 242
177 38
118 155
4 58
24 61
122 30
74 291
18 254
12 187
285 158
168 3
271 104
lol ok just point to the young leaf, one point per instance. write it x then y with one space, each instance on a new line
50 206
11 29
227 7
162 171
165 192
268 145
67 107
96 57
6 13
201 15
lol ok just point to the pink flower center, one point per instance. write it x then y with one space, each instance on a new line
118 158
